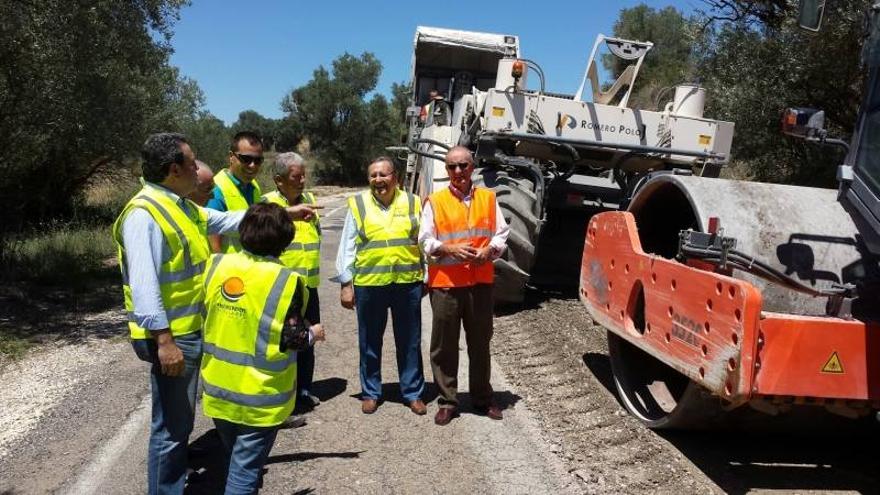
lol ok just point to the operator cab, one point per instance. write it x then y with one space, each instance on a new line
859 176
454 62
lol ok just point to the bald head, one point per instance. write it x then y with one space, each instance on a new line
460 167
459 153
205 185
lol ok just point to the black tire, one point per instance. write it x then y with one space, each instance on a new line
520 206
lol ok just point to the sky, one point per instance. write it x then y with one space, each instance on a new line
248 55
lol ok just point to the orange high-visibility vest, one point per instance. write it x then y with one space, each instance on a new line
455 223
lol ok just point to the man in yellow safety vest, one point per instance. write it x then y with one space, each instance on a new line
303 256
236 187
380 268
205 184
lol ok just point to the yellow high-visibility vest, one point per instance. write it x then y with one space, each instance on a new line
303 255
235 200
387 245
180 277
246 378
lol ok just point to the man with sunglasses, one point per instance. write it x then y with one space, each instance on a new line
462 231
236 186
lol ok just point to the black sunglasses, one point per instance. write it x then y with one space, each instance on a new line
248 159
460 166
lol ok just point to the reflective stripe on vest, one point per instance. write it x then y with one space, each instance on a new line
303 255
180 277
247 379
456 223
387 246
267 400
235 200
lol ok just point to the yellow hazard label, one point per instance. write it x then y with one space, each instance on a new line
833 365
705 140
498 111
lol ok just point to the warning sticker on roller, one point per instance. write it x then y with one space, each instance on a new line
833 365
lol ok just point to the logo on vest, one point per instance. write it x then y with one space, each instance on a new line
232 289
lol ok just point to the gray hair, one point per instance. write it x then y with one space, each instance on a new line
284 161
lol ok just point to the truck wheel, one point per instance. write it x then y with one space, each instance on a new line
520 206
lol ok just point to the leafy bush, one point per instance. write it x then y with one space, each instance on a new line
61 255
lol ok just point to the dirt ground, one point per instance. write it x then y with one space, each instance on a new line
564 429
556 358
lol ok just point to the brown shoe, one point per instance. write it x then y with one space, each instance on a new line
445 415
492 411
369 406
418 407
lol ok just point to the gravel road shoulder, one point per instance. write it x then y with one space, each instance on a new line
558 357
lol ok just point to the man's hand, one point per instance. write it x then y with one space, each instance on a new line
302 211
346 296
216 243
170 356
461 252
482 255
318 333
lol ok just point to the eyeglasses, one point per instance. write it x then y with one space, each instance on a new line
248 159
460 165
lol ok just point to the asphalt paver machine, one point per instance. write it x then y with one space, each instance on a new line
548 156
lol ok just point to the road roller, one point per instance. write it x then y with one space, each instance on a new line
722 295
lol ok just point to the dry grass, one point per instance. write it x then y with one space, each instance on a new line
62 256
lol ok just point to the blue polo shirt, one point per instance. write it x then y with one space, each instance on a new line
218 202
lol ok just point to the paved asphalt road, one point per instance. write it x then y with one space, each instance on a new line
76 421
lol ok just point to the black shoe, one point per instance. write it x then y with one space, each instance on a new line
293 421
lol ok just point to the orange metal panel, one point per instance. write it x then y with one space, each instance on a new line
818 357
709 326
700 323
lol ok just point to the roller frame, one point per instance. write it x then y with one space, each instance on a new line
712 328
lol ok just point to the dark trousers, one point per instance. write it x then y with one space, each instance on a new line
471 306
305 360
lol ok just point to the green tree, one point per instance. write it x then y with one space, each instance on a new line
209 137
288 134
754 62
81 85
760 62
251 120
401 97
344 129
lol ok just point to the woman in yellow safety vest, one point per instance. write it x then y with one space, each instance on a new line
254 327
